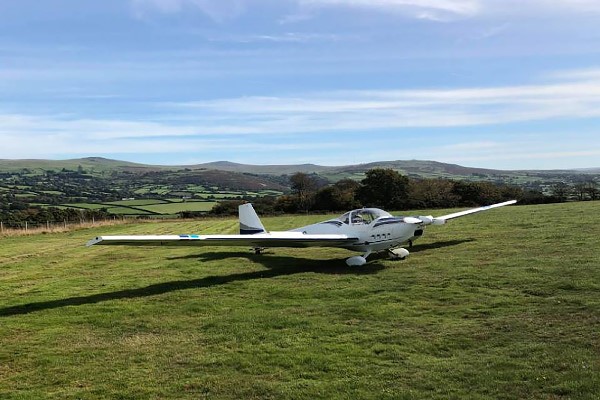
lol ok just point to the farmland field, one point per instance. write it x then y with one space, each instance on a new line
140 202
90 206
174 208
499 305
147 206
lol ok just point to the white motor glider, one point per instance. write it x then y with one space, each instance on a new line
366 230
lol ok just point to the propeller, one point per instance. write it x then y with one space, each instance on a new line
430 220
425 220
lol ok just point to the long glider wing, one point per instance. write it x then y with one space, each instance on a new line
430 220
252 233
475 210
273 239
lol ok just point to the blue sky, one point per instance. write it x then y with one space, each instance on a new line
491 83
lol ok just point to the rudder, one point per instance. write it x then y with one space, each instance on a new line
249 221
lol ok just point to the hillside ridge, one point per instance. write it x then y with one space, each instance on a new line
102 163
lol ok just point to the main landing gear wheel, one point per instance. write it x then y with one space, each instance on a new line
398 254
357 261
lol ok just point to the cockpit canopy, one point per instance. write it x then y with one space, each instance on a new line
363 216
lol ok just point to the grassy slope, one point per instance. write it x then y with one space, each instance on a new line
97 164
505 304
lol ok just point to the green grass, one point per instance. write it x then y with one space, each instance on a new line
139 202
499 305
174 208
127 211
270 193
90 206
160 190
196 188
56 192
147 206
220 195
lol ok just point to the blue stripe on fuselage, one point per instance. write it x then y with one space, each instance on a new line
389 221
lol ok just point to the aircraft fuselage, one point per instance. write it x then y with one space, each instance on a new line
374 229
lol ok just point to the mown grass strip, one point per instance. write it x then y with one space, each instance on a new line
503 304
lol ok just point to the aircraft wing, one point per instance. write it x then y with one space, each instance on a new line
474 210
272 239
427 220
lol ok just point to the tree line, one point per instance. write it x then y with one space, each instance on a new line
14 212
382 188
390 190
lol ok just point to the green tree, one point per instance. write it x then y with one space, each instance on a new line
431 193
304 187
227 207
384 188
347 191
338 197
592 190
561 191
286 203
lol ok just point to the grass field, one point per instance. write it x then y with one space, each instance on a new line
140 202
147 206
500 305
174 208
90 206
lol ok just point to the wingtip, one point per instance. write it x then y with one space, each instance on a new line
93 241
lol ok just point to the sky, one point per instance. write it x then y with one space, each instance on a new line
506 84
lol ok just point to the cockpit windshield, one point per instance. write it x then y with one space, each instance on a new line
363 216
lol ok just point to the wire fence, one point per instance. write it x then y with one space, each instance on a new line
31 228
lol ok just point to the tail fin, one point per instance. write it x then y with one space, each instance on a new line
249 221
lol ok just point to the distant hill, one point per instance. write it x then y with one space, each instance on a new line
262 169
97 164
414 169
408 167
270 176
590 170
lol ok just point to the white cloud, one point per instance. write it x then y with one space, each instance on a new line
470 146
540 7
455 7
586 74
391 109
269 121
465 8
166 6
524 157
288 37
218 10
434 10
